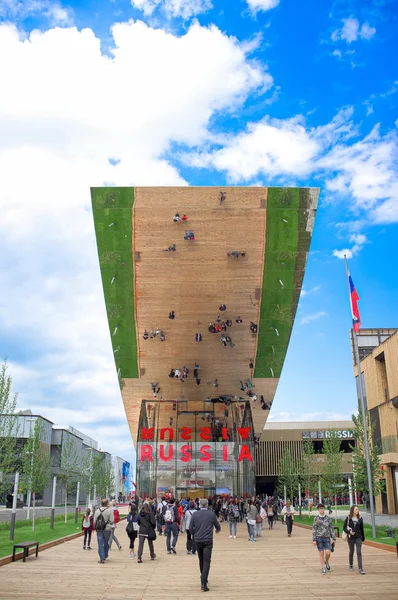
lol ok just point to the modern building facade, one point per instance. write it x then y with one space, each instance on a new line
379 379
61 443
171 259
276 437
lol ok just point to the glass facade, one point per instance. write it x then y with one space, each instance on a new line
195 449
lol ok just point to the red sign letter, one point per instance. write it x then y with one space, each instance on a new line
147 434
185 433
171 433
205 434
244 453
146 452
244 432
161 453
206 456
224 433
186 453
225 453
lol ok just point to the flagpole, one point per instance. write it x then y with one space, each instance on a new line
364 419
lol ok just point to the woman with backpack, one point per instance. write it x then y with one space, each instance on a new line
88 528
132 528
116 519
191 547
147 523
233 517
353 528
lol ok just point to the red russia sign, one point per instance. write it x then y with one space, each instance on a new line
186 451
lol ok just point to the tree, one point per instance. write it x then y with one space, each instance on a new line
287 474
102 474
308 468
70 465
36 463
9 426
332 477
359 457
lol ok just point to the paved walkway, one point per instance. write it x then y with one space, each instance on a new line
276 567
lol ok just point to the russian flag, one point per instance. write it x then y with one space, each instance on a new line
356 319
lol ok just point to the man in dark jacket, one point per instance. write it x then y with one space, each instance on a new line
201 529
147 523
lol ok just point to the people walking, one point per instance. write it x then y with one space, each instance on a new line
288 516
251 515
322 531
353 527
201 527
132 528
172 522
233 518
103 521
270 515
147 523
88 528
261 515
191 546
116 519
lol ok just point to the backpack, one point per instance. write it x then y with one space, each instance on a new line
130 527
116 516
100 523
169 515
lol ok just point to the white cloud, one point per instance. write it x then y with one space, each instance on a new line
270 147
312 290
21 9
309 318
262 5
65 108
351 31
174 8
363 173
358 240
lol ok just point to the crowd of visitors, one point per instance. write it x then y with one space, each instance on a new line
199 518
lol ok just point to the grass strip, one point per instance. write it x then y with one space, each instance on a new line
381 535
41 534
112 212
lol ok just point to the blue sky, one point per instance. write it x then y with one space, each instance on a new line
197 92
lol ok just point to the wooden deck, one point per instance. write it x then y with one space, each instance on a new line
276 567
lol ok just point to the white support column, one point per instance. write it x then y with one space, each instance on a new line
350 491
319 491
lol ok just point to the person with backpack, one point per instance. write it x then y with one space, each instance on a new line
103 521
147 523
171 519
161 507
132 528
116 519
191 547
88 528
353 528
233 517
